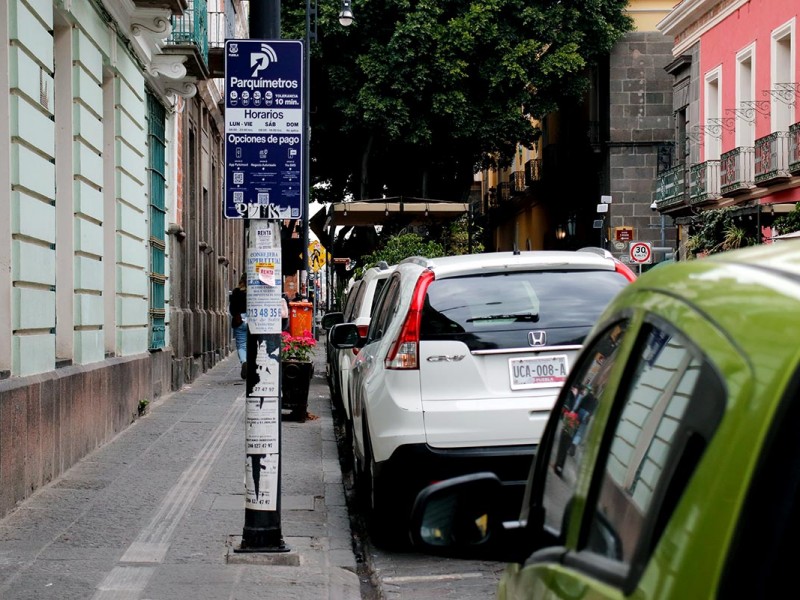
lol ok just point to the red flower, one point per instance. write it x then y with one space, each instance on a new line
570 421
297 347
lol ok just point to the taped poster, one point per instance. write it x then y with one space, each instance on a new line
261 482
261 425
263 291
267 365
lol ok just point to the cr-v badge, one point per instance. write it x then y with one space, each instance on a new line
537 338
446 358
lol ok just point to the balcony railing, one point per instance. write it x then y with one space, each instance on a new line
219 29
533 171
794 148
704 182
517 182
671 189
736 171
191 28
772 157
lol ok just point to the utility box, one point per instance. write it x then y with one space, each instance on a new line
301 316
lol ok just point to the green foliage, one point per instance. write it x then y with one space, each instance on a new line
457 239
399 247
789 222
415 95
717 230
142 406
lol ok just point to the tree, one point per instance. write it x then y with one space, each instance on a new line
417 94
399 247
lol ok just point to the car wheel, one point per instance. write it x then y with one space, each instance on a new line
336 397
385 515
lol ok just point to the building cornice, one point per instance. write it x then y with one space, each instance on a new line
145 31
692 18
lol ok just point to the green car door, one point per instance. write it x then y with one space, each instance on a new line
626 470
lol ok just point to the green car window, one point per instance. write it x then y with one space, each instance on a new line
671 406
566 454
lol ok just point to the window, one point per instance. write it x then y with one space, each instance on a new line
385 310
783 69
156 145
564 303
670 409
586 390
745 95
713 128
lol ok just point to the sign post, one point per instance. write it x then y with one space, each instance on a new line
264 140
640 253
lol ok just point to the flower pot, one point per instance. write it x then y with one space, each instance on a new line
295 380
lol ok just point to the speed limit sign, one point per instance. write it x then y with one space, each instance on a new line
641 252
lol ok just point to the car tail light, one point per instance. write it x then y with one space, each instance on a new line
362 333
625 271
404 352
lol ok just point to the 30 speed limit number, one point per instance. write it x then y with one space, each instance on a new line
641 252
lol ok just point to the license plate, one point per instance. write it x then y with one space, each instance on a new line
547 371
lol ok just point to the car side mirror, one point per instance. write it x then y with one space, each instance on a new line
461 517
344 336
330 319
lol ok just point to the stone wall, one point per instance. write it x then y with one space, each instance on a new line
641 134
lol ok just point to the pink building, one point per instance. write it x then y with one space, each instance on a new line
736 106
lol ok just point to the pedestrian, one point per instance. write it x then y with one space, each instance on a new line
238 310
284 312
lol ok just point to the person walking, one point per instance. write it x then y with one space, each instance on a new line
238 310
284 312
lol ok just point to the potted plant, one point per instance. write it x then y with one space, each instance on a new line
296 372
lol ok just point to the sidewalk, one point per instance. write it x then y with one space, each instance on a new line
154 514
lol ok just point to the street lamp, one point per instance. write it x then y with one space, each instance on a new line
345 19
346 14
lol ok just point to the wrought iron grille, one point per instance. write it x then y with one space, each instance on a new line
191 28
772 157
704 181
156 168
736 170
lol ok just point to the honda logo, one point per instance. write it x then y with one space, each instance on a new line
537 338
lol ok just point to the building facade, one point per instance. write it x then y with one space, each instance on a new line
117 258
735 69
610 144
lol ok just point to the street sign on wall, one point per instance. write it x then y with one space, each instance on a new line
264 133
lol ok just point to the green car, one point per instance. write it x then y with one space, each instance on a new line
670 466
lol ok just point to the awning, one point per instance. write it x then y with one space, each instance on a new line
409 211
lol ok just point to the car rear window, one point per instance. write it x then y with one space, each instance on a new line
498 310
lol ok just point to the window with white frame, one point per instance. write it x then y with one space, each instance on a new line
782 77
745 95
713 108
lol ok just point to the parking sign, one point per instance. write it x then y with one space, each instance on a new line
264 131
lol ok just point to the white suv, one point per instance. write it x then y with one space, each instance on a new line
357 310
463 360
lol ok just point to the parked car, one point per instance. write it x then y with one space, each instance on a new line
462 362
684 479
357 310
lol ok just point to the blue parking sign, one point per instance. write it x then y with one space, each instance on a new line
264 129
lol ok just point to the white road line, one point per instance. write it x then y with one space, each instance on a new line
152 543
424 578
